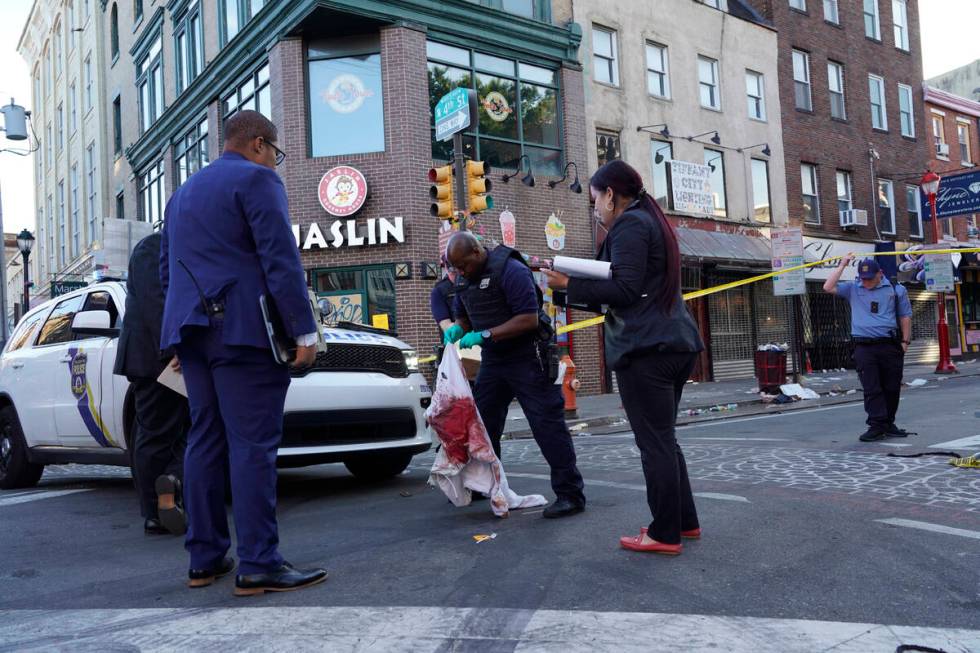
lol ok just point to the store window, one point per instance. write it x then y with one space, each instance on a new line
517 104
357 294
607 147
251 93
345 96
191 152
663 154
762 206
715 160
150 193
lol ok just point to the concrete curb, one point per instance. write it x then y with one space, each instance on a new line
754 407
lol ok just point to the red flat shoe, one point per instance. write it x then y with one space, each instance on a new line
635 543
693 534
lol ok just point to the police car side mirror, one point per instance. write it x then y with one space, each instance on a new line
93 323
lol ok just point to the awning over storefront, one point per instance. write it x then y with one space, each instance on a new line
720 246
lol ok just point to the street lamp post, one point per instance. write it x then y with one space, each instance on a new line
930 186
25 241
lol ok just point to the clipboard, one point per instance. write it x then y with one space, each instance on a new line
283 347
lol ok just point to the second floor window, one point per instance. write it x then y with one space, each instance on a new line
663 154
835 82
253 93
761 205
715 161
755 90
845 199
872 25
191 152
906 113
886 206
189 46
811 201
708 83
939 134
914 211
149 85
801 80
900 16
658 79
963 135
234 14
879 117
150 193
604 57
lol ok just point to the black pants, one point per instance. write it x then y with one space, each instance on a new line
162 420
879 366
651 388
497 385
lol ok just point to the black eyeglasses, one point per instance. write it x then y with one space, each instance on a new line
280 155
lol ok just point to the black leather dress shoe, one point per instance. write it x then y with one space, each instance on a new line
563 507
284 579
154 527
204 577
169 504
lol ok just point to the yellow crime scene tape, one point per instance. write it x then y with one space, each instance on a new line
595 321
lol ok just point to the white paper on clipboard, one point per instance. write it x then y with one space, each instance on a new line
173 380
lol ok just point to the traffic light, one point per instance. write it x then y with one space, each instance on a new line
477 186
441 192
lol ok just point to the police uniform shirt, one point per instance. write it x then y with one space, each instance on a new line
517 285
873 311
441 310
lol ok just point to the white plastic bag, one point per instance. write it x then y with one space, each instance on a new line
466 461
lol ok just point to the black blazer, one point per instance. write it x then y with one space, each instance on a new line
138 355
634 323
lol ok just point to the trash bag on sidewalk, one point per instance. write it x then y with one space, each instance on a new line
466 462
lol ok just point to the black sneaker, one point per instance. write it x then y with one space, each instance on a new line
563 507
872 435
894 432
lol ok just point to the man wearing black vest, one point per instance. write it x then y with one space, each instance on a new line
497 308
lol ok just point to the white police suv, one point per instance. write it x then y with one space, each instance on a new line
362 403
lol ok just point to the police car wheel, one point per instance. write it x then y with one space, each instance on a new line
378 467
16 471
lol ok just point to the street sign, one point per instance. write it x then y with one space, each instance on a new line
939 273
787 252
59 288
453 112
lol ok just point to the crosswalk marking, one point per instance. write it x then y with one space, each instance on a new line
926 526
27 497
634 486
972 441
425 629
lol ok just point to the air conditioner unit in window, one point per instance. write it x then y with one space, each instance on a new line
942 149
854 218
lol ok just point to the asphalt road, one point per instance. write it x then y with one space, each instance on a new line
801 522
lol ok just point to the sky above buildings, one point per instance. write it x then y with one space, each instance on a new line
949 40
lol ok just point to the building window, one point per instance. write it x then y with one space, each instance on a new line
121 206
62 222
906 113
137 10
188 46
50 147
845 193
801 80
72 109
835 82
886 206
234 14
191 152
879 118
72 24
761 203
604 59
872 25
117 125
963 133
900 16
831 13
811 200
38 97
914 211
61 126
252 93
356 294
519 108
710 3
93 191
755 90
939 133
715 160
607 147
346 96
73 185
114 30
662 154
149 85
658 77
708 83
88 82
57 50
798 4
946 227
88 8
51 235
149 192
47 72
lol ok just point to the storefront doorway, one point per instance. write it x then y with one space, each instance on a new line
360 294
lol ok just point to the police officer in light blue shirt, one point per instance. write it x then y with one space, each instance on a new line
881 328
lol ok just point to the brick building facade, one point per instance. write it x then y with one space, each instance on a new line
352 84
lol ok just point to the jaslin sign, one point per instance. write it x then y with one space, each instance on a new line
342 192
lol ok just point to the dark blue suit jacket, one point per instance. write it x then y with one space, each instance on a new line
229 224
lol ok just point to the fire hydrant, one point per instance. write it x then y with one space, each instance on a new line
569 386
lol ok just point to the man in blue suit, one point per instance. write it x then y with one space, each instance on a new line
226 241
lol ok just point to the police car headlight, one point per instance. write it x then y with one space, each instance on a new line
411 360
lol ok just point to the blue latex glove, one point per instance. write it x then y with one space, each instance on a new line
453 333
471 339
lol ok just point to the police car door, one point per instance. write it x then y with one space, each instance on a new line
79 415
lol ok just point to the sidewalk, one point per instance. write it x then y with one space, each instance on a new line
738 398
